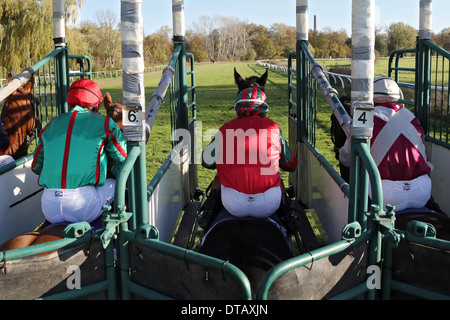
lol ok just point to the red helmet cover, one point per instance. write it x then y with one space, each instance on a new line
84 93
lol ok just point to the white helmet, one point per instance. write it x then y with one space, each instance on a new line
386 90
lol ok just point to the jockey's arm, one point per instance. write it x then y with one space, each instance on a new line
211 153
288 160
38 158
116 147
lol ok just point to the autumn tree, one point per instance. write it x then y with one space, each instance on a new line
442 39
26 31
263 44
103 36
196 46
381 42
330 43
401 36
157 49
283 38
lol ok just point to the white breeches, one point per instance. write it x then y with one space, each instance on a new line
255 205
77 205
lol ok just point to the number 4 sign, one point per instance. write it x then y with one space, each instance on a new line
362 118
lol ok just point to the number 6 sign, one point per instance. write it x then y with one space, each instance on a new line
132 117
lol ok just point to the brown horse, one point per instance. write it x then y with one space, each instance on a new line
252 244
113 110
50 233
19 119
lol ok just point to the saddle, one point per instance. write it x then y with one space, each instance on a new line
290 216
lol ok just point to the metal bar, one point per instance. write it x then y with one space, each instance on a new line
352 292
163 169
416 291
157 98
79 293
301 260
17 163
330 93
44 247
189 256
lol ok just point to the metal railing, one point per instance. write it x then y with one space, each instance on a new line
47 82
424 79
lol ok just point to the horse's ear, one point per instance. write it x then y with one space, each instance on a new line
263 79
9 77
28 88
239 80
107 100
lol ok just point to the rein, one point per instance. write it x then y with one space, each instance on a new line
30 97
32 100
117 107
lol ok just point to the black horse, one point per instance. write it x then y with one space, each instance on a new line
254 245
250 82
432 213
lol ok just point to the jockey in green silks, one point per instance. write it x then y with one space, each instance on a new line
71 158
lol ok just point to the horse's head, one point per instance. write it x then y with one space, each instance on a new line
20 117
338 136
253 81
113 110
24 90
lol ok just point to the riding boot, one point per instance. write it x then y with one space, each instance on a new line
211 206
290 218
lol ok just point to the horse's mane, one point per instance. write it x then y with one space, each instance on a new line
19 118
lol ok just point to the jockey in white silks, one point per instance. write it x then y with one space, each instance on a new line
397 146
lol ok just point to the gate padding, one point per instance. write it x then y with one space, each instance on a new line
36 277
165 271
415 264
324 278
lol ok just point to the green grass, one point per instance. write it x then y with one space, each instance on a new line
216 92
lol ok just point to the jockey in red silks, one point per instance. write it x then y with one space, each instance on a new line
397 146
247 152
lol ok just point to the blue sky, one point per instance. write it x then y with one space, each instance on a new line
335 14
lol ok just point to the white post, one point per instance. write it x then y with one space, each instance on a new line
363 57
178 20
133 69
425 19
302 20
59 31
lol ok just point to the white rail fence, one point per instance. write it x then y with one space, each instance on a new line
102 74
342 78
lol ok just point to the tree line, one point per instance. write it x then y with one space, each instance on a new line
26 31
